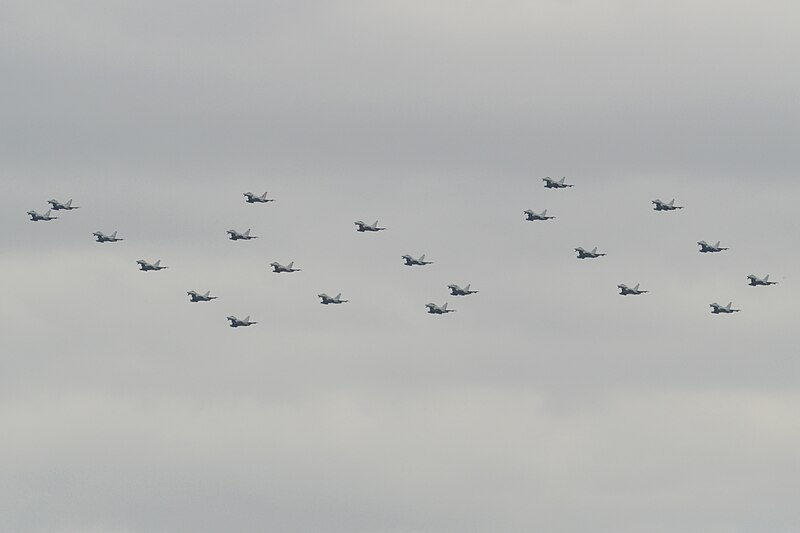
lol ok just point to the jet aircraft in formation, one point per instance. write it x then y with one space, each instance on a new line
661 206
325 299
718 309
144 266
537 216
56 205
410 261
362 227
709 248
553 184
235 322
102 237
251 198
583 254
36 217
624 290
434 309
279 268
455 290
236 236
754 280
194 296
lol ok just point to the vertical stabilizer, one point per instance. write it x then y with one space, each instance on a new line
444 307
158 263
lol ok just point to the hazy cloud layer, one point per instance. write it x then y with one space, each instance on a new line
546 402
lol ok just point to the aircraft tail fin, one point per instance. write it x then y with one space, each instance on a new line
247 233
207 294
594 250
561 181
69 203
246 319
444 307
671 202
290 265
48 213
766 278
157 263
114 235
421 258
467 287
375 224
729 305
338 296
636 288
264 196
717 244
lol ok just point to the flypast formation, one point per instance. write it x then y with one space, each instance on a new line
408 260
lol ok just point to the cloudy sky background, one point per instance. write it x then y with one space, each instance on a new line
546 402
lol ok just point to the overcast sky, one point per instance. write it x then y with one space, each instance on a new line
547 402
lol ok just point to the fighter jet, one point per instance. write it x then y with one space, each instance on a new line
144 266
251 198
553 184
661 206
434 309
36 217
278 268
455 290
717 309
236 236
235 322
707 248
331 300
362 227
410 261
754 280
102 237
58 205
196 297
583 254
624 290
536 216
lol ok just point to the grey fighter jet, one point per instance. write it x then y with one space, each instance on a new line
583 254
455 290
251 198
718 309
410 261
624 290
36 217
362 226
279 268
434 309
102 237
530 215
58 205
553 184
236 236
144 266
331 299
709 248
235 322
754 280
197 297
661 206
